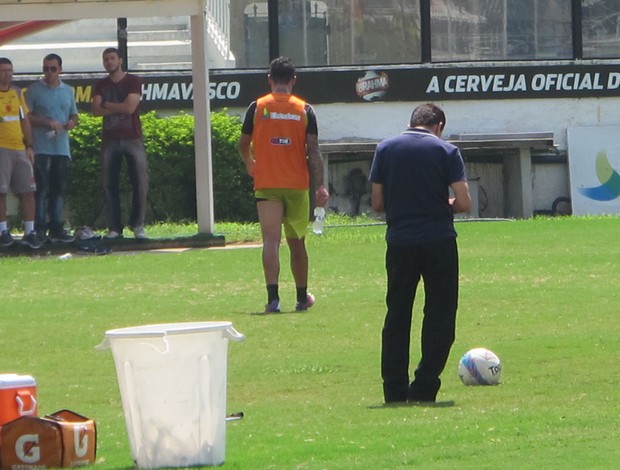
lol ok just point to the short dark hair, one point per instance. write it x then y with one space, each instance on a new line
6 61
427 114
110 50
55 57
282 70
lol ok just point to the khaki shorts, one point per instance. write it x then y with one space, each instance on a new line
296 204
16 172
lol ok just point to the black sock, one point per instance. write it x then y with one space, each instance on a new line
272 293
302 294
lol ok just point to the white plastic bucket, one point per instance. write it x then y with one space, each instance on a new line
172 379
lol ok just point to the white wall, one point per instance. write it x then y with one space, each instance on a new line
378 120
341 121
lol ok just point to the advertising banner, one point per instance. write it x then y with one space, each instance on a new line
594 163
237 88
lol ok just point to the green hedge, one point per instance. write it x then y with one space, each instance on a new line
169 145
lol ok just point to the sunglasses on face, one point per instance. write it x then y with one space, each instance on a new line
52 68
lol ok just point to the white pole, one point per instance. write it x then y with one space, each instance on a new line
202 123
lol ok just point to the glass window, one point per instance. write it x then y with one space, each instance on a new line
601 28
153 43
160 43
500 29
330 32
78 43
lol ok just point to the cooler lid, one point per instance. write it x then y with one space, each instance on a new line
15 381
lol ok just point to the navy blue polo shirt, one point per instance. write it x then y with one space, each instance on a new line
416 170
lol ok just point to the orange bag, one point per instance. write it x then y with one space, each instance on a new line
62 439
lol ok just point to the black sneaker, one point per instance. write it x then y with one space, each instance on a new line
6 239
32 240
42 236
61 236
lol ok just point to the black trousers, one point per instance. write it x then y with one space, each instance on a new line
437 265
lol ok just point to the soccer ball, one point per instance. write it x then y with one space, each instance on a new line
480 367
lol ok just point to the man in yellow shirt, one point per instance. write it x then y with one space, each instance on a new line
16 158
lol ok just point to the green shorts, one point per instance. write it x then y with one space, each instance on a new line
296 204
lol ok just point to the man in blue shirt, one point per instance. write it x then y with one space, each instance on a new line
52 114
411 175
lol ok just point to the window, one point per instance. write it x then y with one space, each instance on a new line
601 28
331 32
500 29
336 33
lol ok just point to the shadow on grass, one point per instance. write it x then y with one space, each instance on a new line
277 314
414 404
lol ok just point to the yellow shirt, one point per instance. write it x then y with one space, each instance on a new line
13 109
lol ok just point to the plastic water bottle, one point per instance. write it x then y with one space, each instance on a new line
319 218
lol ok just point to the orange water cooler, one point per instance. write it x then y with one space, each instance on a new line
18 397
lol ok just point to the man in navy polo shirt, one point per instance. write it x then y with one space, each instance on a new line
411 175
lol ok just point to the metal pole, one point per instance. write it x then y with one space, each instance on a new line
505 41
121 37
425 30
577 21
305 31
274 29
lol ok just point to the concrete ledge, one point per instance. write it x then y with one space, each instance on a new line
532 140
123 244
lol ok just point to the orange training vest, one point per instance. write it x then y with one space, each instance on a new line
279 142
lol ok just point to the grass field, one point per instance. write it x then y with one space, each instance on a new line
542 293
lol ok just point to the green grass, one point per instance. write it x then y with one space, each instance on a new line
542 293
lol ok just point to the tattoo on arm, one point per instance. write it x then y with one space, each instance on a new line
315 160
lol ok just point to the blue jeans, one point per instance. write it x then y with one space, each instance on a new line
112 153
51 174
437 264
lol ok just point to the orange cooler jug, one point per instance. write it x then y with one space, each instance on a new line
18 397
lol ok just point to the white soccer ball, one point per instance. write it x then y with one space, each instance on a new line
480 367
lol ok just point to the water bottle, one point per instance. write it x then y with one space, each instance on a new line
319 218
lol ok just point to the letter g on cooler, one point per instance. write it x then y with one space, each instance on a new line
27 448
80 441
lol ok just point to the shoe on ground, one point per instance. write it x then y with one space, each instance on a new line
6 239
140 233
112 234
61 237
273 307
303 306
32 240
42 236
86 233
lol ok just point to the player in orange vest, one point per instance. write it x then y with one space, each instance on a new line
280 147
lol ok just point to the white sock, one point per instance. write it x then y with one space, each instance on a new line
3 226
28 226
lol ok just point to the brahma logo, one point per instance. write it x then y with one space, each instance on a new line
280 141
609 178
372 86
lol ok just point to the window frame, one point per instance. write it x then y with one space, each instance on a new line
425 35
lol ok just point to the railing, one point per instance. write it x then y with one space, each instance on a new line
218 19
